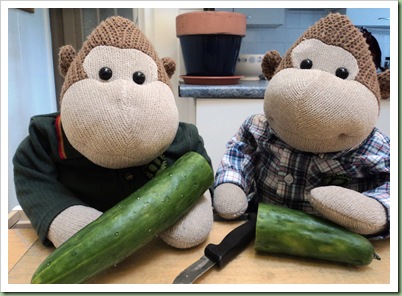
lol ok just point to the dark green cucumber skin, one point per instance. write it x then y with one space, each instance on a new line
287 231
130 224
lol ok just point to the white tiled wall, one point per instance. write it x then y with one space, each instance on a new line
261 40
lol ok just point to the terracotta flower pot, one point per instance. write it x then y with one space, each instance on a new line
210 41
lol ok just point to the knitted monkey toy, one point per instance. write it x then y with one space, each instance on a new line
315 148
117 128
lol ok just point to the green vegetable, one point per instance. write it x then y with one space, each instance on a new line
130 224
288 231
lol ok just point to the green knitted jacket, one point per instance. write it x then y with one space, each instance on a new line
50 175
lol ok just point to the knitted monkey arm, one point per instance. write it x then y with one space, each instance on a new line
70 221
366 212
230 201
234 179
40 194
350 209
237 164
193 228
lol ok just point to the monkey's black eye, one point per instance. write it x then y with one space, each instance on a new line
139 77
105 73
306 64
342 73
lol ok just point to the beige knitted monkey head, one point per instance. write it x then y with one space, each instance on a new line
117 106
323 95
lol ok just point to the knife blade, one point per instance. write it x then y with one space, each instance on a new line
232 244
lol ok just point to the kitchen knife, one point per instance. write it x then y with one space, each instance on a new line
221 254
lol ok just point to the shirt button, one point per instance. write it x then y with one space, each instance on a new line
289 179
129 177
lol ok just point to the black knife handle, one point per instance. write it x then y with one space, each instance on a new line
233 243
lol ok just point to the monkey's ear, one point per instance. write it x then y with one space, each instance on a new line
270 62
169 65
66 56
384 81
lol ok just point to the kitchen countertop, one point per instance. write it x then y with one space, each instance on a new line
158 263
253 89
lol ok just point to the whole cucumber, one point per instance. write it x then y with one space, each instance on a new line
287 231
130 224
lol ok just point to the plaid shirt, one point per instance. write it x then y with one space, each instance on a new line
268 169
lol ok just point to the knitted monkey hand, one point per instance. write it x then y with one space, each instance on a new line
193 228
69 222
230 201
350 209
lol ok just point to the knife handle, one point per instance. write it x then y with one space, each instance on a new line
233 243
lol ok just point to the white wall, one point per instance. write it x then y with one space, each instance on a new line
30 78
159 25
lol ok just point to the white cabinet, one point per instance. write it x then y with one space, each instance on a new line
260 17
218 120
369 17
